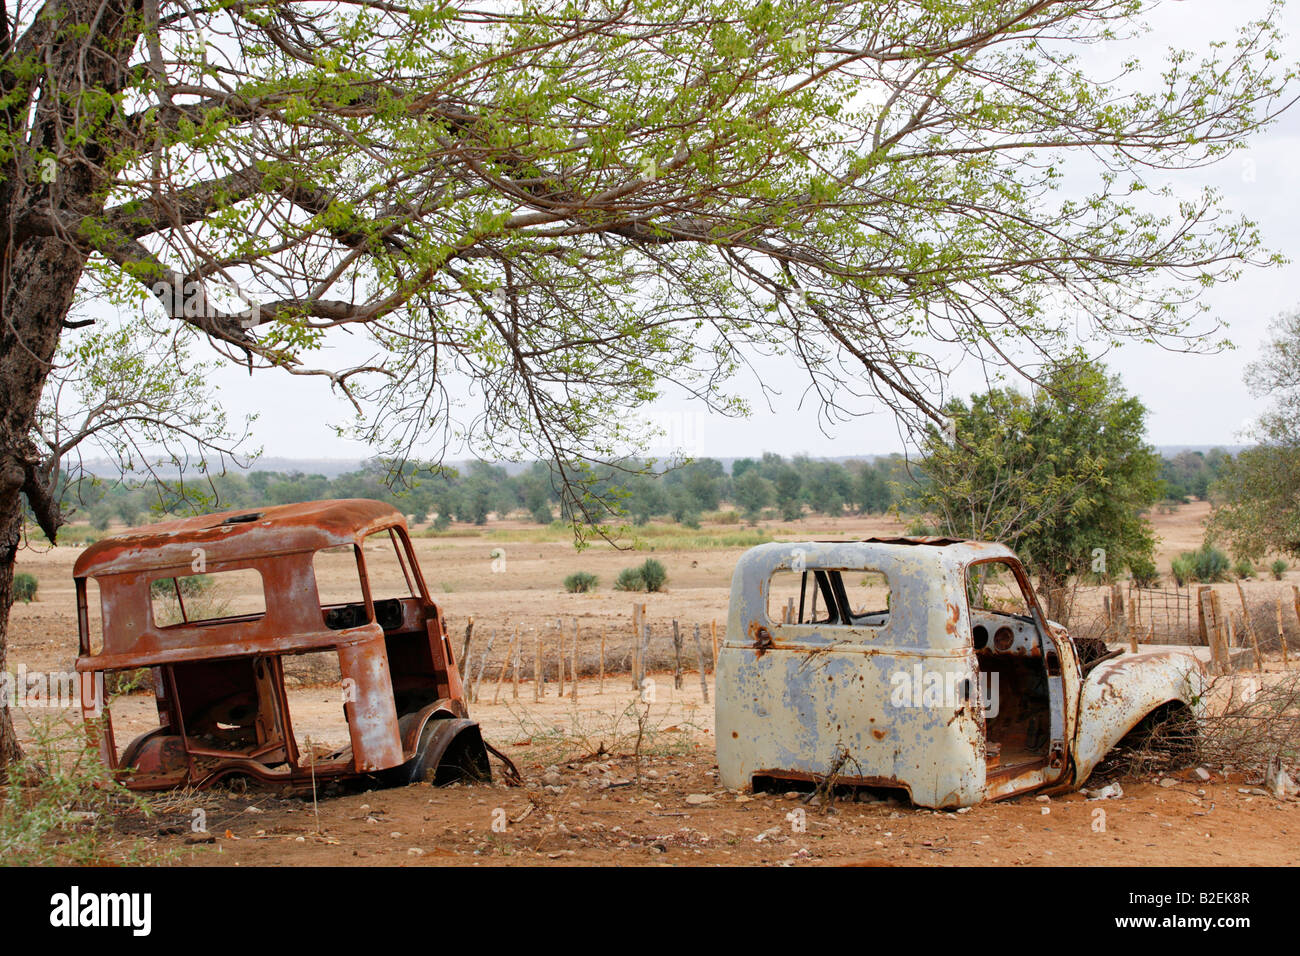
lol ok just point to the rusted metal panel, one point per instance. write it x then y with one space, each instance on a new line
372 714
291 623
219 683
234 535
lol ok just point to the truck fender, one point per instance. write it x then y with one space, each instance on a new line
1119 693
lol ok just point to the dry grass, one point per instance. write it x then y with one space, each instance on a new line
1248 722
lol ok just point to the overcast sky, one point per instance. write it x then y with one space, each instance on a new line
1193 399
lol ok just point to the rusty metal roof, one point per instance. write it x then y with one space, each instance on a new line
235 535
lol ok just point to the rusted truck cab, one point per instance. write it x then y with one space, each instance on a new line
921 665
145 600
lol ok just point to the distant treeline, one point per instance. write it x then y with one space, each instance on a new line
478 492
1190 474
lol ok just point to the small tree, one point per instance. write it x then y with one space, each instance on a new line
1257 495
753 493
1062 476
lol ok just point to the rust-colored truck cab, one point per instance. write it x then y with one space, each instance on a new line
303 582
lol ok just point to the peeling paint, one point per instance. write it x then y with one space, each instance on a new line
799 698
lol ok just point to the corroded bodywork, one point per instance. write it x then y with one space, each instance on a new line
218 677
942 693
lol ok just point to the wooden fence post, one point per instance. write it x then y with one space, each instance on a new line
1211 630
514 675
1281 633
636 645
677 656
505 662
559 655
1250 627
1223 633
483 662
1132 628
601 689
1202 622
645 651
699 660
538 690
573 664
464 652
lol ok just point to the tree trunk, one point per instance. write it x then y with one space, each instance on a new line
85 53
9 749
34 307
1055 592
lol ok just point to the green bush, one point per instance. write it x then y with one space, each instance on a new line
1209 564
1144 572
629 579
25 586
654 574
1279 568
580 582
650 576
1244 569
61 806
192 585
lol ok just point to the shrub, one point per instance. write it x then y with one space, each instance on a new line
25 587
1144 572
61 806
1244 569
580 582
1209 564
192 585
629 579
1279 568
919 529
650 576
654 574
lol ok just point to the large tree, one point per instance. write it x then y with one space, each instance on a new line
552 207
1062 475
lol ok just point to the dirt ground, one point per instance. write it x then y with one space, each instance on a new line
584 801
582 804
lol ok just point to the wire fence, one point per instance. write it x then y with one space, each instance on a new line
1263 612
